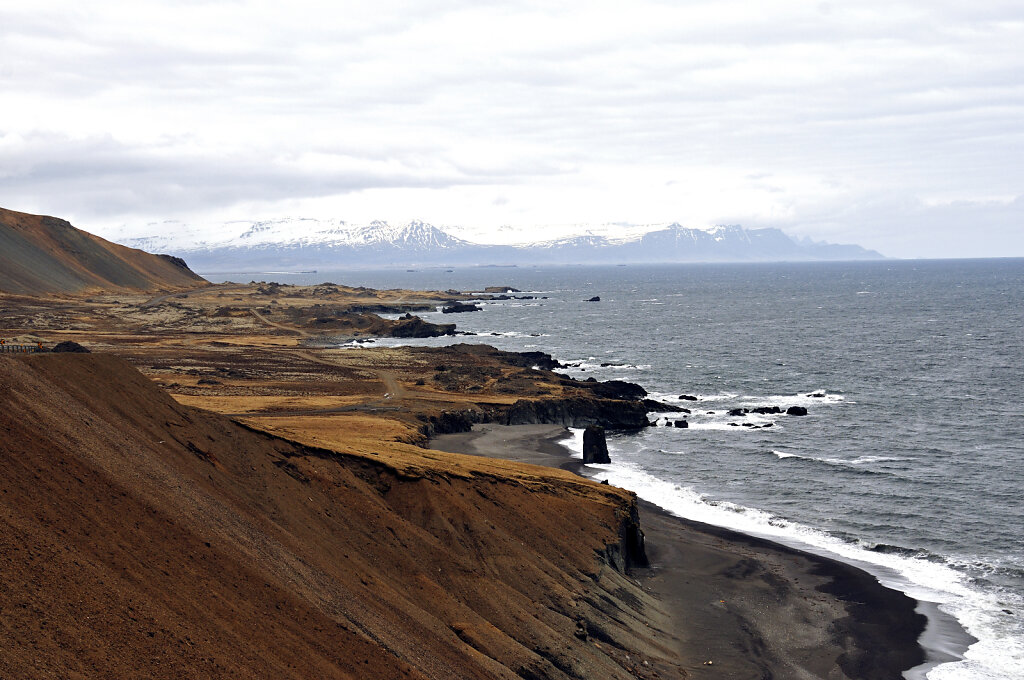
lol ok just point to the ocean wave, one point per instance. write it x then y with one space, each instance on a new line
853 464
592 364
993 617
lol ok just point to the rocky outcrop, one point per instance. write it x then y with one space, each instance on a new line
613 389
630 551
70 346
595 447
577 412
459 307
662 407
596 298
414 327
450 422
541 360
796 411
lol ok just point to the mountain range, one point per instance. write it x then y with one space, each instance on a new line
309 243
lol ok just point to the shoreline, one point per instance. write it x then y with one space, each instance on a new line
779 610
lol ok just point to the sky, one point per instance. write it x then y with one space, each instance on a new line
895 125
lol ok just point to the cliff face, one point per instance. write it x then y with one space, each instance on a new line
145 536
40 255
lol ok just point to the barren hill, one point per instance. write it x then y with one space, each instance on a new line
40 254
144 538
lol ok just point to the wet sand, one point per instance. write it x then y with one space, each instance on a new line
743 607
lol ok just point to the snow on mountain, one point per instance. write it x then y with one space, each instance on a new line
235 246
174 236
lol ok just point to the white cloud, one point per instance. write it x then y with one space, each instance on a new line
817 118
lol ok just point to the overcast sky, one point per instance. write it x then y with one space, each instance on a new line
895 125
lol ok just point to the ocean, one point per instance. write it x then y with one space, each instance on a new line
910 460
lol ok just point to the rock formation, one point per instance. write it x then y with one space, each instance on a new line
595 447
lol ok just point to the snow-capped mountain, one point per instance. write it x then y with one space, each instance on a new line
307 243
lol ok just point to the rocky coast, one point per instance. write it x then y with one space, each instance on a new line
213 490
739 606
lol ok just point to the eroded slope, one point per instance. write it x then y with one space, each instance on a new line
40 255
146 538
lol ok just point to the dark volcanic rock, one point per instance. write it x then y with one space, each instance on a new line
595 448
764 410
459 307
70 346
687 397
653 405
577 412
596 298
615 389
737 412
415 327
796 411
681 423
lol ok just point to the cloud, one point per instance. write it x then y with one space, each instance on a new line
113 110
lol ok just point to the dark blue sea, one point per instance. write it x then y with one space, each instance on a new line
910 462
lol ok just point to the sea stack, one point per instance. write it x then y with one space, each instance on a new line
595 448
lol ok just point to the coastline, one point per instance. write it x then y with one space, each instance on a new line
752 607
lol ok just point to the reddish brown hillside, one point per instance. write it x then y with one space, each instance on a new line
40 255
142 538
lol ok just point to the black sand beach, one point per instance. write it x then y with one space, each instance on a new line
744 607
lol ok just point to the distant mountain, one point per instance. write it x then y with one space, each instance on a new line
306 243
40 255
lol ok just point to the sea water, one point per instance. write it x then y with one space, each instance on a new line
910 462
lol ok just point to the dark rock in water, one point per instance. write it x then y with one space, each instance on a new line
817 395
766 410
595 448
687 397
70 346
617 389
658 406
737 412
501 289
208 381
733 425
596 298
768 425
459 307
682 423
796 411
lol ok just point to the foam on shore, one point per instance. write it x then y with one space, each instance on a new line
983 646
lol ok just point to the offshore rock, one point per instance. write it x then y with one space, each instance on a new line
595 447
796 411
459 307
